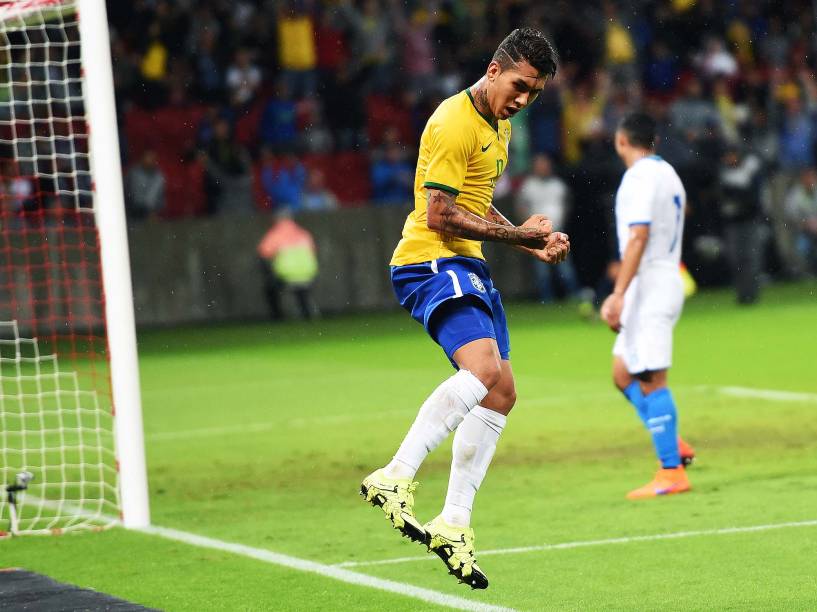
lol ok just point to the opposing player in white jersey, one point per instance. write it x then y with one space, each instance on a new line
648 294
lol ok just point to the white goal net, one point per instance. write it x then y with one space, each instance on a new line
56 408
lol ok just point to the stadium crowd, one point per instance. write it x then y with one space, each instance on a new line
302 104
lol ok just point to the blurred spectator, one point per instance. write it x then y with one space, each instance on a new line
207 67
288 261
716 61
730 113
801 209
696 125
741 186
316 196
544 193
297 54
694 115
145 188
243 79
661 72
279 128
739 36
759 137
774 47
153 67
392 175
619 46
330 46
345 107
283 181
205 130
418 50
228 174
545 121
583 107
315 136
371 41
798 135
154 60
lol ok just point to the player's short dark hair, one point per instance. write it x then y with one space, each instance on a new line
640 129
530 45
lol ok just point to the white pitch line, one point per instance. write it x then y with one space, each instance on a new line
328 571
768 394
609 541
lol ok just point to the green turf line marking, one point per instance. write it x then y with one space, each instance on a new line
267 556
609 541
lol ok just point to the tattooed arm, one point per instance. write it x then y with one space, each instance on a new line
557 246
445 217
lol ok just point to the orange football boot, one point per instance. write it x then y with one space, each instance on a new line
687 452
666 482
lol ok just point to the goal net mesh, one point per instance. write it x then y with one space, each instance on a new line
56 412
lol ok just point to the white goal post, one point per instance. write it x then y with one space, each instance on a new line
70 406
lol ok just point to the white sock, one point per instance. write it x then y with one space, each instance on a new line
439 415
474 446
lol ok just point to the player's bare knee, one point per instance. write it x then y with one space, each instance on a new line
502 397
489 373
621 376
508 400
620 382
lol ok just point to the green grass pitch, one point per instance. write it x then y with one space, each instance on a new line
261 434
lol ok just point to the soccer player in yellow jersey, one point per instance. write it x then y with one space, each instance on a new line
440 276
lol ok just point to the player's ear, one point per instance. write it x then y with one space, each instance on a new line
493 70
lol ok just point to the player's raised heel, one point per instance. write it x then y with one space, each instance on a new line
396 499
455 546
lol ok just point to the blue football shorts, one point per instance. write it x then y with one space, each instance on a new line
455 300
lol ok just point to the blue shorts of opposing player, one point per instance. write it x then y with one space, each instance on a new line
455 300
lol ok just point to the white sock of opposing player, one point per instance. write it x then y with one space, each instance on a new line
439 415
474 446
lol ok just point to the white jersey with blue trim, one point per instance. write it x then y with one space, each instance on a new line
652 194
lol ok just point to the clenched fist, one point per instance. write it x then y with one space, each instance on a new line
555 250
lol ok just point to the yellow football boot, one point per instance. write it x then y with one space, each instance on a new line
455 546
396 498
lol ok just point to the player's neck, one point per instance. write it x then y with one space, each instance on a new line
635 155
479 93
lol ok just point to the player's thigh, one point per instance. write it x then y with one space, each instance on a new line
502 396
481 358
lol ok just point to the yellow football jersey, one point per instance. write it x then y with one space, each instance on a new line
463 154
